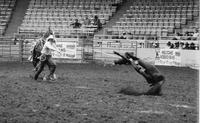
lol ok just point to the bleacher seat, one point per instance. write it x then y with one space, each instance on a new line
60 14
153 16
6 9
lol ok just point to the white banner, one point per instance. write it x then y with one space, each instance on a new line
168 57
68 50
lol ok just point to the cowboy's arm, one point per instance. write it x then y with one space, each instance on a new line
48 45
55 48
133 57
120 55
52 47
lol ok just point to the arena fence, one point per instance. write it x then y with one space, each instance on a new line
9 50
73 49
78 49
103 48
82 50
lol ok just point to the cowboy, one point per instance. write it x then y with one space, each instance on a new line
37 47
152 75
46 58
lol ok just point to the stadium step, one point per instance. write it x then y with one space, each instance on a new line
17 17
125 5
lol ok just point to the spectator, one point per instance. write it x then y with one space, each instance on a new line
176 45
172 46
186 45
87 21
97 22
195 35
182 45
169 44
76 24
192 46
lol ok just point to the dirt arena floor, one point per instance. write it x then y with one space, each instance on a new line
88 93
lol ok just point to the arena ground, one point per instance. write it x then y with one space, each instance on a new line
88 93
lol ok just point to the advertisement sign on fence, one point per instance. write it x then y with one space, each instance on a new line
168 57
68 50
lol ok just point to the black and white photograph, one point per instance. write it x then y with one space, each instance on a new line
99 61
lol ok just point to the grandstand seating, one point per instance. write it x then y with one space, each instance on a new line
155 17
59 14
6 9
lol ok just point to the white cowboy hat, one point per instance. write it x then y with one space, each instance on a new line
50 37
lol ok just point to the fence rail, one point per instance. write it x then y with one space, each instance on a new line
87 49
9 51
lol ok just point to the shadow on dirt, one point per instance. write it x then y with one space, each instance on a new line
131 91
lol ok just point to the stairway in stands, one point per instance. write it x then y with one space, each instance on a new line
190 26
119 13
17 17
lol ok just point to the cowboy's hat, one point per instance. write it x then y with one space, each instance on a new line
50 37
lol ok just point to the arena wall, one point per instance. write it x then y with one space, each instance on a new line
11 52
189 58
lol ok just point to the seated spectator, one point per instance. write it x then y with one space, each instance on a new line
195 35
97 22
172 46
169 44
76 24
182 45
87 21
192 46
176 45
186 45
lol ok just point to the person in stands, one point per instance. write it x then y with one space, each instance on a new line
76 24
97 22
